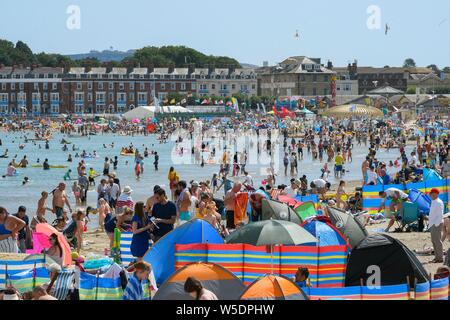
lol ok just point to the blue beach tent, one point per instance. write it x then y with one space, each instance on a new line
162 255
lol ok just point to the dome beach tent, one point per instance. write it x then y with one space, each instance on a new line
348 225
396 262
162 255
277 210
326 234
271 287
272 232
224 284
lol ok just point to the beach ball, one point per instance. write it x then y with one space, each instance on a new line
75 255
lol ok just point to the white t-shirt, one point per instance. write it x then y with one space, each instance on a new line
372 177
436 212
391 192
290 192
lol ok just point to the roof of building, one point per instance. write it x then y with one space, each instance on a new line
77 70
21 71
201 71
181 71
385 90
122 71
380 70
47 70
97 71
296 65
139 71
6 70
160 71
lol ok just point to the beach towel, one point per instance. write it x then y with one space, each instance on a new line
240 208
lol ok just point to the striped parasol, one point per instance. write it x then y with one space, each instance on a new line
353 110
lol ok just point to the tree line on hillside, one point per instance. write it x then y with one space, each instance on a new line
176 56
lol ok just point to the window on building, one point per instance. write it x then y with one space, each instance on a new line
36 86
183 86
45 96
89 97
253 86
13 86
142 86
233 86
131 85
173 86
89 85
100 86
163 86
213 87
45 86
79 86
53 96
325 78
121 86
315 78
13 97
131 96
111 86
54 86
3 86
21 86
111 96
193 86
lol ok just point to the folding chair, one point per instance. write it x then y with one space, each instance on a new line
409 215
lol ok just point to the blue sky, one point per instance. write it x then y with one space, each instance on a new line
249 30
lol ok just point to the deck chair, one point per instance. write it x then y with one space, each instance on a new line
409 216
64 284
306 210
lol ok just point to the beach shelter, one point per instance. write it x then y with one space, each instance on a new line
140 113
271 287
277 210
48 230
271 232
306 210
224 284
162 255
348 225
326 234
396 262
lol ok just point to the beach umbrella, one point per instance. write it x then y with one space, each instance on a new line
271 232
48 230
277 210
348 225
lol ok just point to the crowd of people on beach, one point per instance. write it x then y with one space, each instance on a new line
330 143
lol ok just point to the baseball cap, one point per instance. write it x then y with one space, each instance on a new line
434 190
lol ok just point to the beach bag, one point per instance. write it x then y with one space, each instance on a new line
9 245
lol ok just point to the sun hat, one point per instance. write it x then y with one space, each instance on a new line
127 189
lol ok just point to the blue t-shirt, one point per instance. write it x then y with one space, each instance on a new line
166 211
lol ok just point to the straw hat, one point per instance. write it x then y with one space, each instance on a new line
127 189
